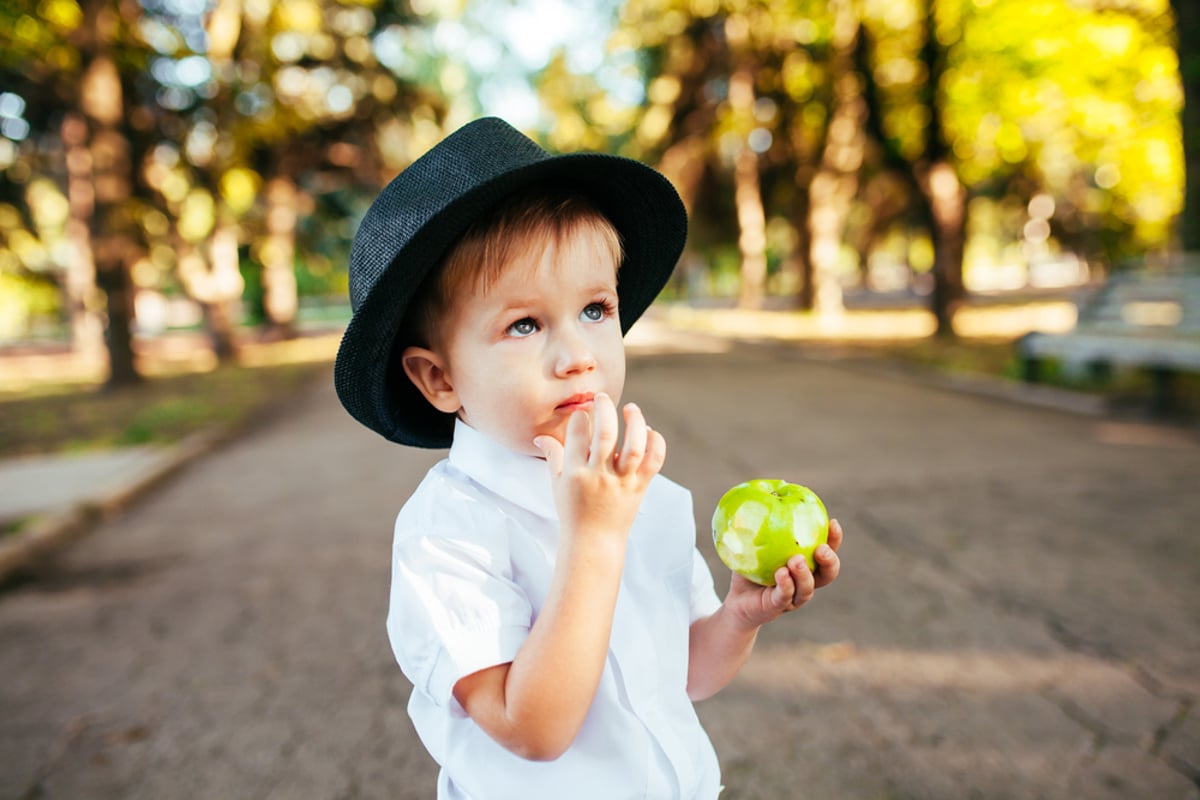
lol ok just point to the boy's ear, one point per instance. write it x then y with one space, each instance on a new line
427 370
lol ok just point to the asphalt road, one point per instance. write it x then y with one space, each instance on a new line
1018 615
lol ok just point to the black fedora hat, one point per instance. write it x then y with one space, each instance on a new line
423 212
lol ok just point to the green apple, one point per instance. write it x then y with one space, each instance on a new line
760 524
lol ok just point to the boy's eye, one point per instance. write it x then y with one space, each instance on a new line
594 312
522 327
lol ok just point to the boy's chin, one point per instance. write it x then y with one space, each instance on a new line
522 444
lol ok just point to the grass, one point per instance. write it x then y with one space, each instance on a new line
993 357
70 413
1125 389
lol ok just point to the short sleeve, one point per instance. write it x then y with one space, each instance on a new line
454 610
704 599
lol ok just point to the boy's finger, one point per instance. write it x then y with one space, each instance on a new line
604 430
802 580
835 534
828 565
656 454
785 588
579 435
552 449
634 449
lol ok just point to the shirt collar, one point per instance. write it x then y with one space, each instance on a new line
520 479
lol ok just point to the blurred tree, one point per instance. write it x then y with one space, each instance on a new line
737 98
1059 116
251 129
835 185
108 107
683 65
75 66
189 141
282 102
1091 120
338 116
1187 38
26 261
922 155
741 126
285 83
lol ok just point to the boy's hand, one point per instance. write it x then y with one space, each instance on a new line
598 487
719 644
755 605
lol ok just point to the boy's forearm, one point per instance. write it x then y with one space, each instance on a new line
718 646
551 683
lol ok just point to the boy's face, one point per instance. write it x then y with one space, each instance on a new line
519 357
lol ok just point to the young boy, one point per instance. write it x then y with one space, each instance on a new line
548 601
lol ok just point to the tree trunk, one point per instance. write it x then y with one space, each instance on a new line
102 146
278 256
80 290
112 237
683 165
942 189
947 205
220 287
112 277
833 188
798 261
751 216
227 285
215 282
1187 31
752 229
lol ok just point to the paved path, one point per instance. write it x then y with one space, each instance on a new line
41 484
1019 614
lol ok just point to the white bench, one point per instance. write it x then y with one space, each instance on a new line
1143 319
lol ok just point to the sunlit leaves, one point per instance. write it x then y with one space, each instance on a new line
62 14
36 41
197 216
1076 96
300 16
239 189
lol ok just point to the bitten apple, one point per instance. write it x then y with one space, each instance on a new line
760 524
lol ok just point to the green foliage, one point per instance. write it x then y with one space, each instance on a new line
1078 101
217 102
1089 112
1075 100
162 410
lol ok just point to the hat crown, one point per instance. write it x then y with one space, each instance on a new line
468 158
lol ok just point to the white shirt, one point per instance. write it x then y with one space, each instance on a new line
472 561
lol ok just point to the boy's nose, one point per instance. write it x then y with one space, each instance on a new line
573 355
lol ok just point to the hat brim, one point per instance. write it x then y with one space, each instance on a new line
641 204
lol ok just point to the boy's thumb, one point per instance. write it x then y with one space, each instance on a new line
552 449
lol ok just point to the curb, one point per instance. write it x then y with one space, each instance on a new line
23 551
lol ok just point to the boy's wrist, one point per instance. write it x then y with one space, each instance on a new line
595 544
736 621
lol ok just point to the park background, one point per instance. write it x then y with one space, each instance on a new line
885 198
180 180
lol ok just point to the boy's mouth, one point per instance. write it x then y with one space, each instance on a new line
576 402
